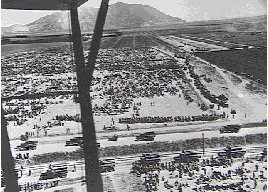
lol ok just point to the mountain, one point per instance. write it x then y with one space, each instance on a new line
119 15
17 28
137 15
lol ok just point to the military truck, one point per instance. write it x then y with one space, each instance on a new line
234 152
147 136
77 141
28 145
187 157
107 165
147 162
53 173
82 145
230 129
150 158
110 128
113 138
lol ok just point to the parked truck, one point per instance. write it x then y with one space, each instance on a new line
187 157
113 138
28 145
147 136
230 129
147 162
77 141
53 173
107 165
232 152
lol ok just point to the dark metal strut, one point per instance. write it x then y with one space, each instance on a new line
84 78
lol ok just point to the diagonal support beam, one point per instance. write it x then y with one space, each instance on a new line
92 166
7 161
97 35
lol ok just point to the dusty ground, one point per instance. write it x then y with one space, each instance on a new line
250 107
122 181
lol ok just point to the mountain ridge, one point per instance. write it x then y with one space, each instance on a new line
119 15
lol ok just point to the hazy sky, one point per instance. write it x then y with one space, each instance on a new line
190 10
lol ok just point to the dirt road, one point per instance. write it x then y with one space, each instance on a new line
59 145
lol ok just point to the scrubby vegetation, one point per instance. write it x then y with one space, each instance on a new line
183 145
155 147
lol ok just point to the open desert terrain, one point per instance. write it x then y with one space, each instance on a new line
184 87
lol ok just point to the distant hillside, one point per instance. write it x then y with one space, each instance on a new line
17 28
255 23
119 15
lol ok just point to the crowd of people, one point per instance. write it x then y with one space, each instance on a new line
76 118
217 161
32 186
169 119
41 62
202 173
25 74
19 111
126 75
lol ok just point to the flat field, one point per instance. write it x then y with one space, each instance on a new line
249 61
244 38
156 105
144 73
18 48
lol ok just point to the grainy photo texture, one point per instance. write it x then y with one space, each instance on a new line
134 96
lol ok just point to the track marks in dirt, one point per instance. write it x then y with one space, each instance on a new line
115 43
126 182
107 183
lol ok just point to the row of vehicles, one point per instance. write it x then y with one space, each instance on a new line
149 162
61 171
78 141
147 136
194 156
150 136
